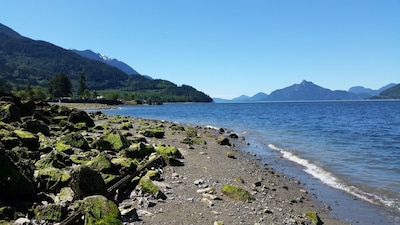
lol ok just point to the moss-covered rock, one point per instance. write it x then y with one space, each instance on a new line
148 186
36 126
153 131
7 213
10 113
101 163
86 181
13 184
313 216
169 152
54 159
10 142
236 193
223 141
124 164
126 126
117 140
99 210
76 140
52 179
77 116
65 195
138 150
51 212
27 139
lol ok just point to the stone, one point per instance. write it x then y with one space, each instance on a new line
51 212
10 113
139 150
98 209
102 164
27 139
236 193
13 184
223 141
54 159
51 179
117 140
78 116
36 126
86 181
76 140
7 213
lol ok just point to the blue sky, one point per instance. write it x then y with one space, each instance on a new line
226 48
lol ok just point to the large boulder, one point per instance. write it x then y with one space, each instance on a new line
10 113
98 209
13 184
77 116
56 159
117 140
102 164
28 139
36 126
76 140
52 179
51 212
86 181
138 150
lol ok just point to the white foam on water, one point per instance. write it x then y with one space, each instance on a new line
332 181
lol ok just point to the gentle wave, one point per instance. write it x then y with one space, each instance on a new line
332 181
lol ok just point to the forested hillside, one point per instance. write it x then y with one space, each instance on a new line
26 62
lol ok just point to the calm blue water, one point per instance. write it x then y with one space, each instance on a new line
352 147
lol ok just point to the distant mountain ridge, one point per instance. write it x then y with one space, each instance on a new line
102 58
308 91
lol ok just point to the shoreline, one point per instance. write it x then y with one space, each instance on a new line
279 199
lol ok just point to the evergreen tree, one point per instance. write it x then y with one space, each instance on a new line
60 86
82 85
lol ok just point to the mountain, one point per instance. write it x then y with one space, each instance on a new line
102 58
309 91
24 62
391 93
363 90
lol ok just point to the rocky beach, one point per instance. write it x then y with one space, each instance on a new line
62 165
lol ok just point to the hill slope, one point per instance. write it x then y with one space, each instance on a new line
391 93
24 61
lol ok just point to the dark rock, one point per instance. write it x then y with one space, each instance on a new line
36 126
13 184
233 135
56 159
223 141
86 181
28 139
7 213
78 116
10 113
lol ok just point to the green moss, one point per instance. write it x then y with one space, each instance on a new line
236 193
194 140
125 126
63 147
313 216
117 140
50 212
230 155
99 210
153 175
100 163
24 134
169 152
148 186
53 179
102 127
109 178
